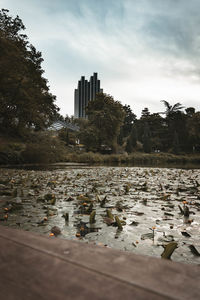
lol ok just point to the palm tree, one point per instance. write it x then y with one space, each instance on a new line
170 109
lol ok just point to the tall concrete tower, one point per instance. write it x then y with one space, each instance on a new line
85 92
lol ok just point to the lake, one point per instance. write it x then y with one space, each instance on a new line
149 203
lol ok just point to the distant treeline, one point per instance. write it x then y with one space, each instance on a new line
174 130
114 128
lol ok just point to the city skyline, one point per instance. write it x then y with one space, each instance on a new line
85 92
143 50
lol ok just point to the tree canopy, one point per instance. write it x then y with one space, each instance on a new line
176 132
105 116
170 109
116 126
25 99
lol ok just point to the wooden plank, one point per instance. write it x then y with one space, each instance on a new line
38 267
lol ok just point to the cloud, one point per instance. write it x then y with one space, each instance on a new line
143 50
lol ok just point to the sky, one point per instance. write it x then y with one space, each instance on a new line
144 51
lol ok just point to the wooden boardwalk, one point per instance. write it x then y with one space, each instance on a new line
37 267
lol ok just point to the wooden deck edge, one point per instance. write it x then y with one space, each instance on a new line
37 267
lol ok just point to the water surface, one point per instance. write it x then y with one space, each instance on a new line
145 199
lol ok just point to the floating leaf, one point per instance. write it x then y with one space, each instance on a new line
69 199
103 202
169 249
108 221
194 250
149 235
83 198
119 206
55 230
185 234
134 223
181 210
48 196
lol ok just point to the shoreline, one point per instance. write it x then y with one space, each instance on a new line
98 160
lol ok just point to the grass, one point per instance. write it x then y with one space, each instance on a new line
136 158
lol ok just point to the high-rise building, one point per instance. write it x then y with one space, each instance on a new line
85 92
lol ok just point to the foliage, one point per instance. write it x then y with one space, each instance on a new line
147 139
136 158
105 116
176 132
89 138
145 113
170 109
25 100
129 120
36 147
132 140
126 128
190 111
42 148
67 136
120 138
129 147
176 147
193 129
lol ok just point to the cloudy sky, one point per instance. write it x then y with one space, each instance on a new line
143 50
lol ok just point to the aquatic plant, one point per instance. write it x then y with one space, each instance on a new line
119 224
109 214
92 217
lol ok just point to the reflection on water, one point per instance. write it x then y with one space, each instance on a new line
62 166
44 167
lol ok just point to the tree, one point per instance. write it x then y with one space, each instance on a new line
193 129
151 130
64 135
157 127
129 120
120 137
132 140
175 121
89 138
129 147
190 111
105 116
175 145
147 139
145 113
25 100
170 109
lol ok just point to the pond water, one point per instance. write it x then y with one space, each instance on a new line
150 203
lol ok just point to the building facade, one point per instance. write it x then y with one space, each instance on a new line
85 92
